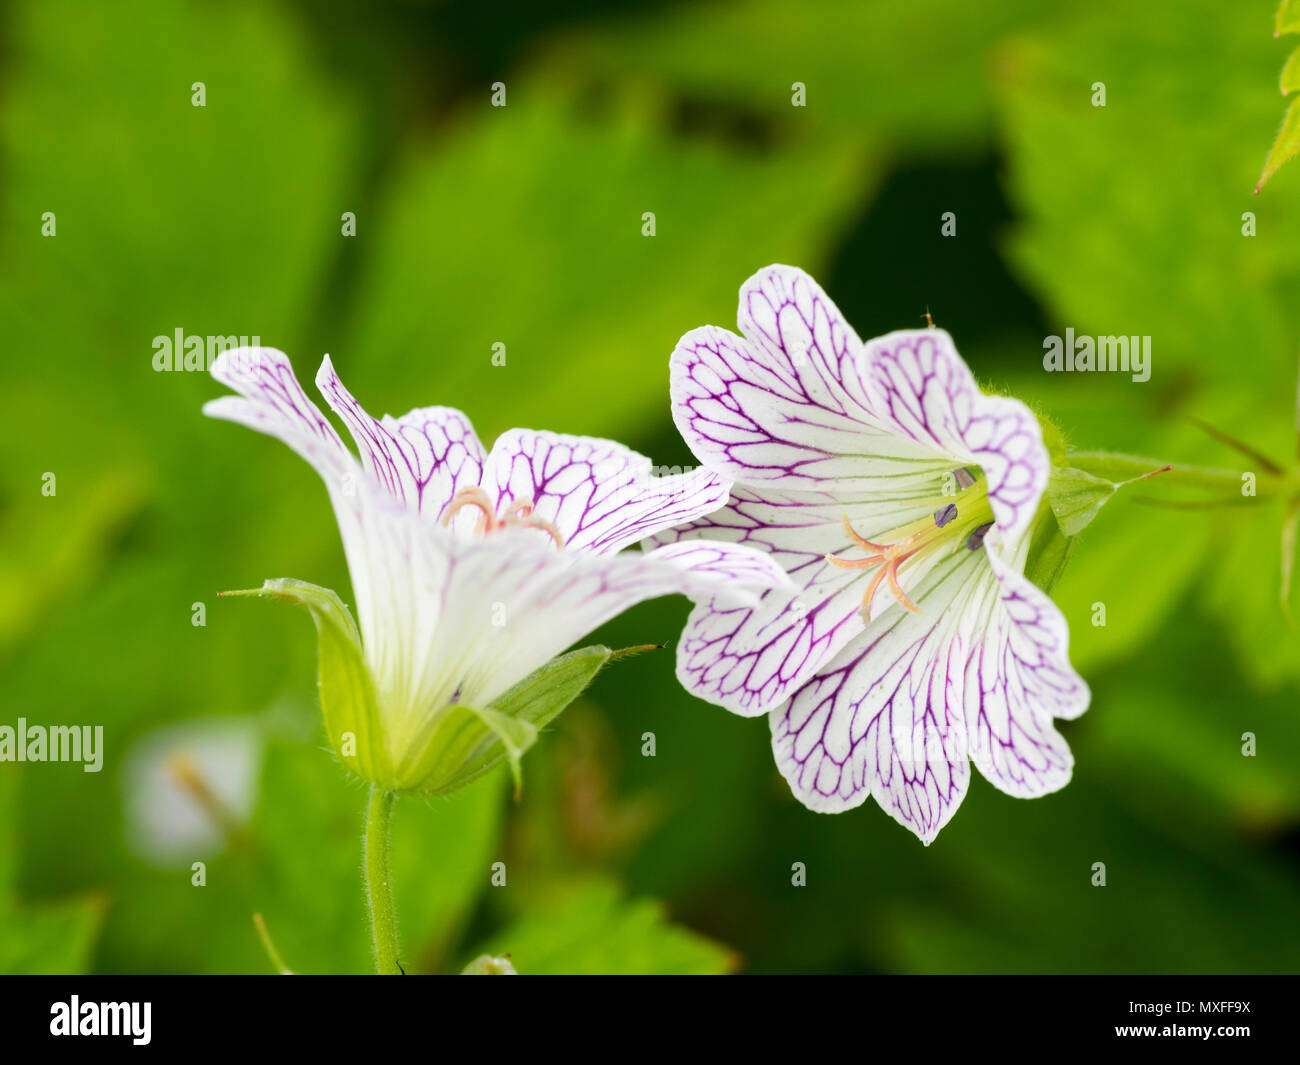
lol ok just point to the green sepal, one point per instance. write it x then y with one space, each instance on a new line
1077 492
1049 550
466 742
347 693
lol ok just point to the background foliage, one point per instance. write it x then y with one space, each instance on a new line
522 225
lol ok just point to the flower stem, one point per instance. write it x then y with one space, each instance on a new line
379 880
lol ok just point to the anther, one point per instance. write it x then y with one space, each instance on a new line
976 539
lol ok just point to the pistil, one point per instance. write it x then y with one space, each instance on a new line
518 514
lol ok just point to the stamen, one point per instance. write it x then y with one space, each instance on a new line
848 528
976 539
945 514
963 477
889 558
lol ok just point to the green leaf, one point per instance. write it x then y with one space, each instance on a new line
50 938
347 695
1285 146
1291 73
1077 496
848 57
1288 18
306 881
591 927
39 937
556 327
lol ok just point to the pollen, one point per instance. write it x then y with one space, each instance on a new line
518 515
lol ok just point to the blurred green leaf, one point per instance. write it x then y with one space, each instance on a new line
49 938
543 202
1287 19
915 74
45 937
1287 144
307 883
1173 260
1290 80
589 927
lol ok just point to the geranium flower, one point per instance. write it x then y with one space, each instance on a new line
901 501
471 571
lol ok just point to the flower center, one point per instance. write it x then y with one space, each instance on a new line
967 518
518 515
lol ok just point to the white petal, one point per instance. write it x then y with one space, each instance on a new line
927 395
1018 679
883 718
486 612
421 459
751 659
271 401
600 495
788 405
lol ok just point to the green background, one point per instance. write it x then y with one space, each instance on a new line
521 225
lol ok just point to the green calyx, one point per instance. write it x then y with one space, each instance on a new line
461 742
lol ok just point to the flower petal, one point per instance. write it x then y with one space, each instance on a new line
883 718
927 395
271 401
600 495
750 659
484 613
420 459
1018 679
722 572
787 407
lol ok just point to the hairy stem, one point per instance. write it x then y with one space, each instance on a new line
379 881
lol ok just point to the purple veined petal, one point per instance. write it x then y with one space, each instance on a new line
794 328
1018 678
722 572
271 401
883 718
787 406
926 392
485 612
421 459
750 659
376 539
599 495
754 426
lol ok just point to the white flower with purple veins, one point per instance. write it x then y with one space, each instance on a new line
472 570
902 501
